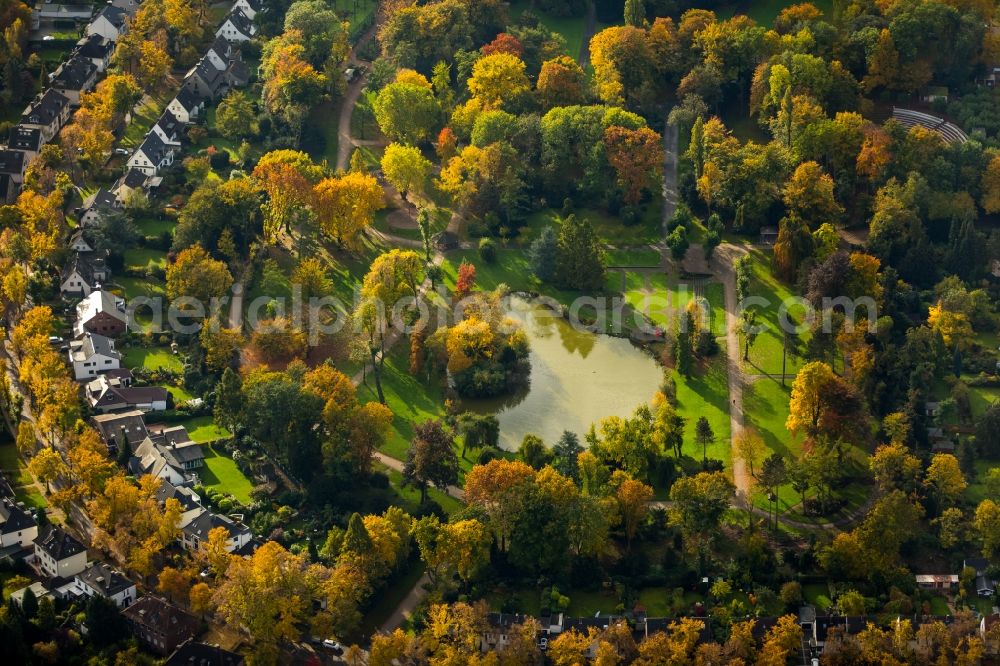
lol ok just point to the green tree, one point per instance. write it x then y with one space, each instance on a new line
533 451
431 458
235 117
542 254
704 435
405 168
635 13
407 112
579 257
565 454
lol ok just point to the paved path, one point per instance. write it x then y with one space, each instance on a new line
727 253
236 307
406 607
669 174
345 142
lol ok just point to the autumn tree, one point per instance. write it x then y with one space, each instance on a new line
698 504
196 275
561 82
808 194
431 458
405 168
235 117
452 550
288 178
346 206
637 157
407 112
633 499
498 80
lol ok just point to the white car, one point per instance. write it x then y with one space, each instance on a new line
333 645
48 38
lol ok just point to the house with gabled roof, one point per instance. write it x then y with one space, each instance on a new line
160 625
154 154
111 394
74 77
169 455
100 580
96 205
83 273
93 355
205 79
197 523
101 312
109 23
12 167
249 7
96 49
121 428
58 553
187 106
192 653
168 128
131 181
17 526
28 140
237 27
48 112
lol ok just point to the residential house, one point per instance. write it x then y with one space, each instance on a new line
101 312
152 155
191 653
59 555
73 78
96 49
187 106
80 242
937 581
100 580
985 586
197 523
159 624
131 181
83 273
109 23
96 205
48 113
17 526
38 589
168 128
130 6
12 168
188 498
26 139
54 11
249 7
205 79
237 27
92 355
170 456
110 394
121 428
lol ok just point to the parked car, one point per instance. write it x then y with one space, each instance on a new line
121 151
333 646
55 340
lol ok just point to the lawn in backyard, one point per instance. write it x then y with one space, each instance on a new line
141 258
144 117
221 473
154 226
706 393
609 228
976 491
939 606
17 474
140 286
818 595
152 358
204 429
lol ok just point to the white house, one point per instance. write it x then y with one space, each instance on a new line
96 49
96 205
28 140
100 580
187 106
170 456
248 7
100 312
75 77
197 523
152 155
237 27
109 23
168 129
92 355
58 553
83 273
17 525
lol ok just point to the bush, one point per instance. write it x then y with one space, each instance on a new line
219 160
488 250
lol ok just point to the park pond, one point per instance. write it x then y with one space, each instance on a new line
577 378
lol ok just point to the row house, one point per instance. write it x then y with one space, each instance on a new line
237 27
74 77
101 312
58 553
110 23
84 273
48 113
12 168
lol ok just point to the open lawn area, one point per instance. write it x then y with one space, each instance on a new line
154 226
141 258
222 474
648 229
766 352
642 257
817 594
152 358
17 474
571 28
976 491
204 429
323 123
133 287
409 496
706 393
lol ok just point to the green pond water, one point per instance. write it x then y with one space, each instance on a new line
577 378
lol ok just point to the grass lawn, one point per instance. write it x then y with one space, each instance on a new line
939 606
975 492
410 495
180 395
324 118
645 257
706 393
571 28
133 287
152 358
152 226
817 594
20 480
766 352
648 229
358 12
222 474
204 429
140 258
715 295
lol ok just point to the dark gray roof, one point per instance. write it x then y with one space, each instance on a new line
241 21
85 266
74 74
25 138
14 518
95 46
92 344
222 47
114 15
58 543
206 521
238 72
188 98
202 654
113 427
163 617
104 579
187 497
133 178
100 199
131 395
154 148
169 124
11 162
46 108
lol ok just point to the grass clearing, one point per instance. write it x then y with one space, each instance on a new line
154 226
323 119
152 358
221 473
608 228
204 429
143 259
766 352
410 495
572 28
19 478
706 393
134 287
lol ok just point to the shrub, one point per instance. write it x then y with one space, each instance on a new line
488 250
219 160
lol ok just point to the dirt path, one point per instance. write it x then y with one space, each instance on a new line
669 175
